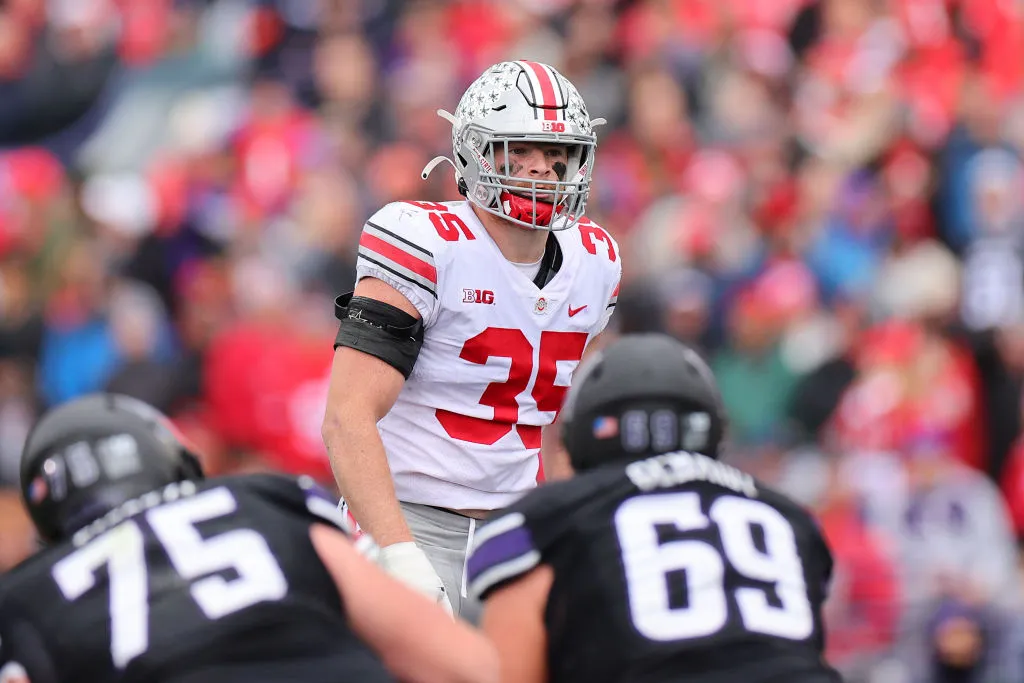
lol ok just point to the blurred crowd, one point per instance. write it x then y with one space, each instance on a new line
825 197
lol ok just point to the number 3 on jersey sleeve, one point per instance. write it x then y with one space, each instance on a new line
501 342
647 562
592 234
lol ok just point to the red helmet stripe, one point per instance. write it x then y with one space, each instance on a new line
547 87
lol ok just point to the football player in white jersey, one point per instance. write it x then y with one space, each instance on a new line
466 323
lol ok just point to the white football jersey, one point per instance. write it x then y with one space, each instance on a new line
497 355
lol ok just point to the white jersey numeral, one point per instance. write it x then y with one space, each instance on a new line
648 562
123 551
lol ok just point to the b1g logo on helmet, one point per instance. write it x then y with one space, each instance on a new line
553 126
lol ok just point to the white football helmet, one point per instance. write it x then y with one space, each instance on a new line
528 102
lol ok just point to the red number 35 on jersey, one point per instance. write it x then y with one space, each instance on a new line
502 342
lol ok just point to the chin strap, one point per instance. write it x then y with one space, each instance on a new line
436 161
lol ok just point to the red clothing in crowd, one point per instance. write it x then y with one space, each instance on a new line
265 389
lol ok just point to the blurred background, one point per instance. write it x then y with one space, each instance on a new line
825 197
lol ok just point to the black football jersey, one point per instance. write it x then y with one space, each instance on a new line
673 568
198 582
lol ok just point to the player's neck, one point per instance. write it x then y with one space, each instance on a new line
519 245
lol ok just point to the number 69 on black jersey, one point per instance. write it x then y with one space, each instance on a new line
710 575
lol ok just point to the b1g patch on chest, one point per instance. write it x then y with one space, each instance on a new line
477 296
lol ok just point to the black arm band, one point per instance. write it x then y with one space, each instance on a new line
380 330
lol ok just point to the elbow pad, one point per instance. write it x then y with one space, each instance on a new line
380 330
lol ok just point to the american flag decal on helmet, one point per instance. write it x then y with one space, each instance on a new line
606 427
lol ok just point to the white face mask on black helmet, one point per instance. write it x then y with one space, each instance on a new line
522 102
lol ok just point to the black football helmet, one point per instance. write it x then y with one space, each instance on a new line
643 395
90 455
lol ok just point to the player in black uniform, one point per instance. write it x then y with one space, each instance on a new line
655 562
156 575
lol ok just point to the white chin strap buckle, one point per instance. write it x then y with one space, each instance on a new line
434 163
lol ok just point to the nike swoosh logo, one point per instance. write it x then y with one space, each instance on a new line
574 311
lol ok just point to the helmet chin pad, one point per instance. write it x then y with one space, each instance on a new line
523 208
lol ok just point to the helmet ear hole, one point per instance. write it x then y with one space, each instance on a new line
191 467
